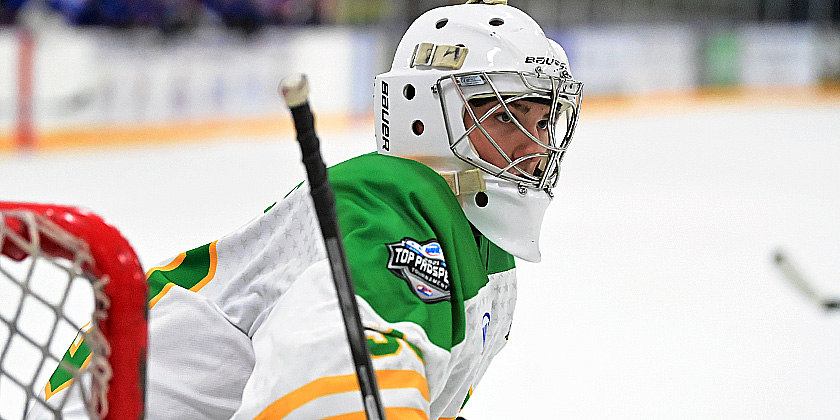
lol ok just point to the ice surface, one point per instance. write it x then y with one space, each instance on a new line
656 298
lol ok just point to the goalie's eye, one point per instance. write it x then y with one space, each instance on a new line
503 117
542 124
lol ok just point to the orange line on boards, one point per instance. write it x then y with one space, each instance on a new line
171 132
594 107
607 106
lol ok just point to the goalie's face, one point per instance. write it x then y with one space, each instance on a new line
504 144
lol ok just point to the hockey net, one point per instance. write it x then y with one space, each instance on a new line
67 277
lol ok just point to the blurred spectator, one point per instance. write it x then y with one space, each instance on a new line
114 13
9 10
290 11
835 13
169 15
180 15
250 15
239 14
799 10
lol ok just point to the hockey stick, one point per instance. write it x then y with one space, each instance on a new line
295 91
805 287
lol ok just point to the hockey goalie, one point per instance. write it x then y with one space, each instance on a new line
471 123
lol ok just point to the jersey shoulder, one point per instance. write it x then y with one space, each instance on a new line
412 253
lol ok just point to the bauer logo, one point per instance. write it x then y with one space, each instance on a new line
422 267
386 128
543 60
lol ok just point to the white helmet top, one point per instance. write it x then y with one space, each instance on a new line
451 55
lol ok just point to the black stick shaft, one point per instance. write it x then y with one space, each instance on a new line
324 199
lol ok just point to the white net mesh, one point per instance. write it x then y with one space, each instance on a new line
46 302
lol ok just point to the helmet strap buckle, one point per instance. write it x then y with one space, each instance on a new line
465 182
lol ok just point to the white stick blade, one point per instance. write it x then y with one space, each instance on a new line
792 274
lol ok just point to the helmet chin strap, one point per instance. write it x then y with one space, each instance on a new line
465 182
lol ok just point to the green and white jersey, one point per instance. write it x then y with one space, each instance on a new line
249 326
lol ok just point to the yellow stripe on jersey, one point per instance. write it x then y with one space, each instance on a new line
214 261
402 413
330 385
80 338
397 379
153 301
168 267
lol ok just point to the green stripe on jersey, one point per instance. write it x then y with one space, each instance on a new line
194 267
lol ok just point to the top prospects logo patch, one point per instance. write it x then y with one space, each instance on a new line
422 266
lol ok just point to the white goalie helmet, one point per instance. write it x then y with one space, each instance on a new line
450 60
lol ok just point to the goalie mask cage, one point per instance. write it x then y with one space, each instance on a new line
54 260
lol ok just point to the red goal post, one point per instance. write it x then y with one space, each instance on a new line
92 250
